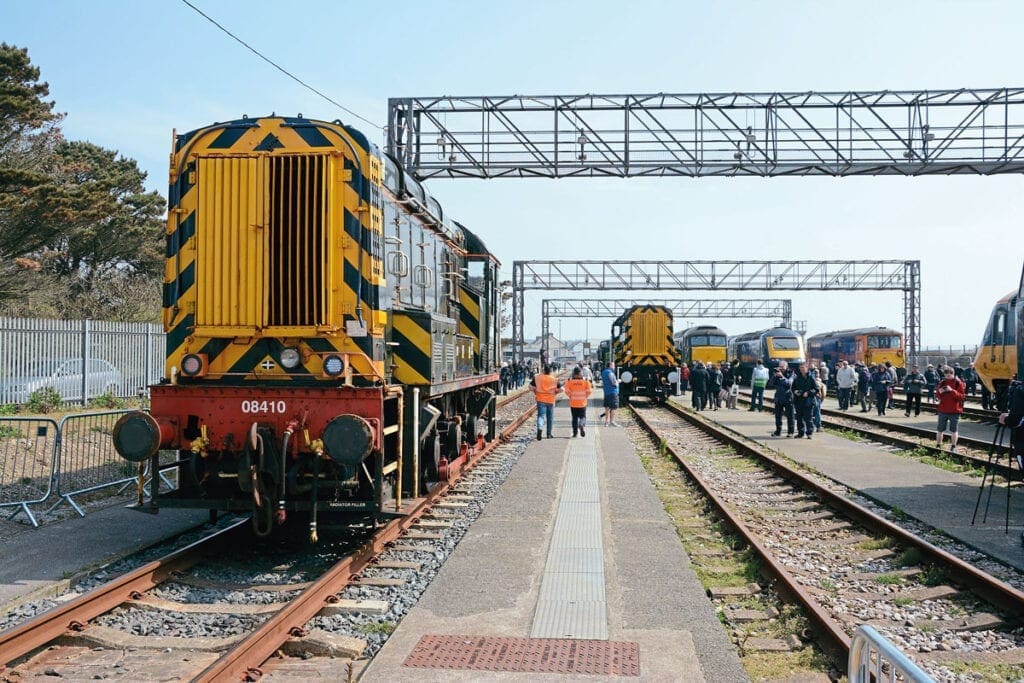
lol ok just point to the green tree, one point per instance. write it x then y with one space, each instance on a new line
79 234
28 138
112 233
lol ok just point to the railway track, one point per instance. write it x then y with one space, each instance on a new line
845 564
276 626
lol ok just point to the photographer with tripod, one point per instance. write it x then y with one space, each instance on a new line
1013 418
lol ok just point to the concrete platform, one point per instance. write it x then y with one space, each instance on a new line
42 562
522 553
942 499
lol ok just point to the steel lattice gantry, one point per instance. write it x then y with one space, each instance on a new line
771 276
780 309
920 132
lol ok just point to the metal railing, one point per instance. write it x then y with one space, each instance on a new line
873 659
41 458
27 462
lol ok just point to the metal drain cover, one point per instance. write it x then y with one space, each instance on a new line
527 655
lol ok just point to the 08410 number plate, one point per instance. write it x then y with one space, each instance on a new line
257 406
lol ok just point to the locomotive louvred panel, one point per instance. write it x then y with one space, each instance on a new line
297 263
230 245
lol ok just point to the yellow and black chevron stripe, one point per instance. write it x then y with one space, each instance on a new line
274 239
648 337
469 318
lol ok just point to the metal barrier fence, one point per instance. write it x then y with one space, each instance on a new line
86 459
79 359
40 458
873 659
27 462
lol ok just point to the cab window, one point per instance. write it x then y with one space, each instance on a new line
785 343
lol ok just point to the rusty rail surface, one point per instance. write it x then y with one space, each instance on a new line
829 627
998 593
245 661
20 640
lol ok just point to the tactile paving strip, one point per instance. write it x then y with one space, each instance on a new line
527 655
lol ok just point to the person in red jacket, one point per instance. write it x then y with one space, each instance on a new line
950 393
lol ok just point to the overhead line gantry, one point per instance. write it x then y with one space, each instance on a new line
780 309
913 132
765 276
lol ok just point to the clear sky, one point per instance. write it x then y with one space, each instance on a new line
127 72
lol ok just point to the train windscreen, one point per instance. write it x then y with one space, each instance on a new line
883 342
786 343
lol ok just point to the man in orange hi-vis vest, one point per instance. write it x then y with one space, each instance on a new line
578 390
545 387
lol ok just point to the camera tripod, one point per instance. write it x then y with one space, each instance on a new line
995 455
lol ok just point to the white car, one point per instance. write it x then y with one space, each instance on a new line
65 376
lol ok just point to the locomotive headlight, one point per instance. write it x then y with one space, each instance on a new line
333 366
626 377
673 377
193 364
290 357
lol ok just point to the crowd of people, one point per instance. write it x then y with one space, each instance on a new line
798 392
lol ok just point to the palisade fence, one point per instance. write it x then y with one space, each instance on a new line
120 358
46 461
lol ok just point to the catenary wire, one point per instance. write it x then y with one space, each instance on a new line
280 68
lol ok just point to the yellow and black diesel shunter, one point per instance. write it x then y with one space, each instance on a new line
645 353
332 336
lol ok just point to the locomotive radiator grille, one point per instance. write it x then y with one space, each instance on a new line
262 243
297 250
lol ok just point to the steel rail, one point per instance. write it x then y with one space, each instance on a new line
74 615
246 659
927 434
829 626
1002 595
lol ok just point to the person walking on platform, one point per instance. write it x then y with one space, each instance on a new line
546 388
805 394
684 379
610 385
505 378
1013 418
880 387
588 374
951 404
714 387
730 382
782 382
846 380
893 379
913 385
758 381
822 392
699 386
578 390
931 380
970 379
863 388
